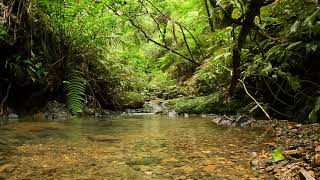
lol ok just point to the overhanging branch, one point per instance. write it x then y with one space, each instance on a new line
145 34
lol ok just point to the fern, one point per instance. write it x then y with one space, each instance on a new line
75 87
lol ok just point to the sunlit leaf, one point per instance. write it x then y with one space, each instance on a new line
277 155
295 27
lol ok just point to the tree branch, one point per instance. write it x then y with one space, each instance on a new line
159 44
245 89
152 40
185 40
158 25
179 24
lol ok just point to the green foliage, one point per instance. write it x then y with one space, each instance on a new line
204 104
130 100
3 32
212 76
113 62
277 155
161 84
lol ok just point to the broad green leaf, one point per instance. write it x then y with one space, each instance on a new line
277 155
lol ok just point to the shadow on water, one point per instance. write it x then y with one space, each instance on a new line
128 147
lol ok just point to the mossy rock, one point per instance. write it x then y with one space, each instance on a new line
131 100
204 104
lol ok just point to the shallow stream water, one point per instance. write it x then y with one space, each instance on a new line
128 147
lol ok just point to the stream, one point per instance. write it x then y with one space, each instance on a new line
128 147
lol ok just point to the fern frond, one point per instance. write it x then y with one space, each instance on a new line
75 87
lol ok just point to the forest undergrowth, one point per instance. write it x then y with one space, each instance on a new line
203 56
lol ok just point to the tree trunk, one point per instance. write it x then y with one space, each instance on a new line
246 25
236 53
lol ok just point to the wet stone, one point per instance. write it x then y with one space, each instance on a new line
142 168
187 169
210 169
180 178
148 173
158 170
317 160
170 160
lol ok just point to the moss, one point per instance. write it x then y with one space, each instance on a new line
131 100
204 104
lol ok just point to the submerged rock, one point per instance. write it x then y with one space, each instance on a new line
155 106
144 161
103 138
187 169
148 173
7 168
173 114
209 169
170 160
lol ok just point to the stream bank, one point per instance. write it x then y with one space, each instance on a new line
300 145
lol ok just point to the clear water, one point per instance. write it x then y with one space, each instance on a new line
128 147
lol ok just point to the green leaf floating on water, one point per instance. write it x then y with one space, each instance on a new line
277 155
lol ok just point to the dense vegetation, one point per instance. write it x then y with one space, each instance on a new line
208 56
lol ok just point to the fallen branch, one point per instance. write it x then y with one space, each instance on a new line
245 89
228 118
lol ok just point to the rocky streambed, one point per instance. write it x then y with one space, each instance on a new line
146 146
129 147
